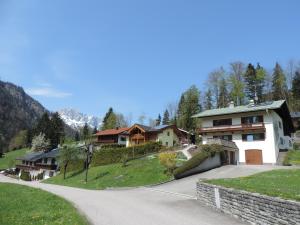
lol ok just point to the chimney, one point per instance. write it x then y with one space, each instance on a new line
251 102
231 104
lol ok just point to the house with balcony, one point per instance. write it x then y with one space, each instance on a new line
112 136
259 131
37 163
168 135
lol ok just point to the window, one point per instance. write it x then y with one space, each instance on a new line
282 141
53 161
122 138
222 122
167 144
168 133
224 137
45 160
279 124
252 119
253 137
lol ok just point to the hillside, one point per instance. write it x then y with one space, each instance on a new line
18 111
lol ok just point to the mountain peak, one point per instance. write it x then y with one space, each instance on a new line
76 119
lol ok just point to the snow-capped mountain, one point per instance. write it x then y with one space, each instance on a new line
77 120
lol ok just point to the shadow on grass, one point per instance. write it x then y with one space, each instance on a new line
76 173
100 175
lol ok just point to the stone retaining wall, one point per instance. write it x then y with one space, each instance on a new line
250 207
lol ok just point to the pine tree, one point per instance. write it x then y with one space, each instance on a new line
95 130
85 131
260 82
44 126
166 118
208 100
110 120
296 86
180 111
250 82
77 136
279 86
57 130
158 120
223 98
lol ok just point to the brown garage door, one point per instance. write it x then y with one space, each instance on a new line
254 157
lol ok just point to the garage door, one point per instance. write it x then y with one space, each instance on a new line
254 157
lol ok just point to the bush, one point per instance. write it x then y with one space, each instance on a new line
212 149
296 146
112 146
168 160
115 155
25 176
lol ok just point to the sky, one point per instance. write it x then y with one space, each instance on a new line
136 56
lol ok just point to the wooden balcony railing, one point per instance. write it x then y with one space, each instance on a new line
232 128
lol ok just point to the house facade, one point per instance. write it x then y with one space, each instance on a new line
260 131
112 136
168 135
37 163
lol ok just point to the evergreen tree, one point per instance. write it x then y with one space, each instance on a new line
95 130
110 120
57 130
166 118
85 131
208 102
279 86
44 126
296 86
158 120
250 82
223 98
181 112
77 136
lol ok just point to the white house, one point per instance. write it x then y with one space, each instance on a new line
260 131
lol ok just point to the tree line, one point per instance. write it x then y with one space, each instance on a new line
239 84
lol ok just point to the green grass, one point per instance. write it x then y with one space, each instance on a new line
139 172
293 157
9 158
25 205
280 183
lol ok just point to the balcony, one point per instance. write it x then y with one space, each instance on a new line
233 128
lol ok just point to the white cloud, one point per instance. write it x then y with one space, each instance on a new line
47 92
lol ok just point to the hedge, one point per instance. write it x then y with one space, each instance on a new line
112 146
106 156
206 152
25 176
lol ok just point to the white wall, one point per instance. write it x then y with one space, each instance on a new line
120 142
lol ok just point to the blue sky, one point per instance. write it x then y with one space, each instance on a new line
136 56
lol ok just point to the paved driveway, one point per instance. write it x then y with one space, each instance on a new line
171 203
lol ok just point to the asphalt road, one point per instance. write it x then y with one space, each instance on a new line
172 203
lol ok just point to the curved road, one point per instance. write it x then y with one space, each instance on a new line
171 203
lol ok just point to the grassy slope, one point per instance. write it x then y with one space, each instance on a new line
293 157
280 183
9 156
138 172
24 205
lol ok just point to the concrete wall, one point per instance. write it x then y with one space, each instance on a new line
208 164
250 207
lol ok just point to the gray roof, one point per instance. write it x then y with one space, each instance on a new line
295 114
241 109
153 129
34 156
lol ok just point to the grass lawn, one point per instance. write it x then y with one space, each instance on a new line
293 157
9 158
138 172
280 183
25 205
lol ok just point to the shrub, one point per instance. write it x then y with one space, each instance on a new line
192 163
25 176
212 149
40 176
296 146
114 155
168 160
112 146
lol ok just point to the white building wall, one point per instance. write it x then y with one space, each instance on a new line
120 142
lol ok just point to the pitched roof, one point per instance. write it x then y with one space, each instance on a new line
112 131
39 155
240 109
